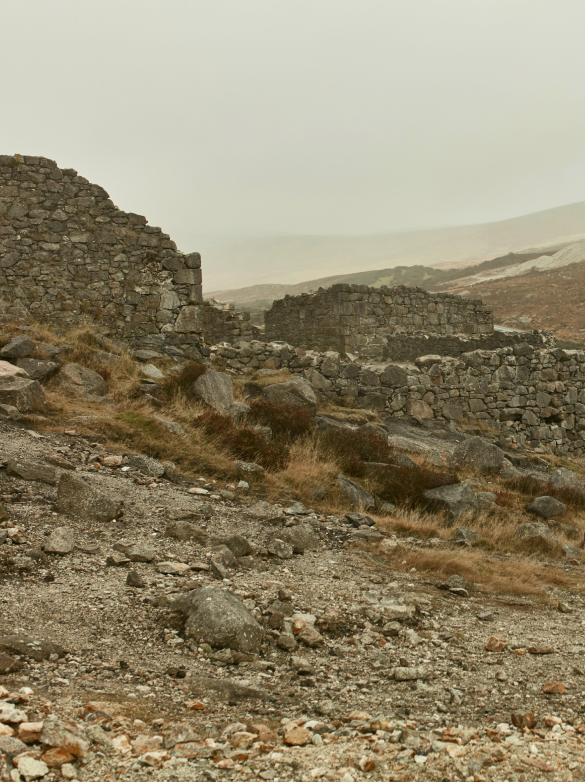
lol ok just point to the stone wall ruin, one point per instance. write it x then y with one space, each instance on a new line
364 321
67 253
535 397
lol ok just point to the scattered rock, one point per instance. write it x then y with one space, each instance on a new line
22 393
216 389
455 500
64 734
80 381
355 493
409 674
18 347
146 465
297 392
77 497
37 369
60 541
296 736
302 537
216 616
134 579
9 664
172 568
565 479
10 370
32 471
554 688
479 454
496 644
249 470
278 548
237 544
26 646
572 552
466 536
547 507
29 768
537 533
184 530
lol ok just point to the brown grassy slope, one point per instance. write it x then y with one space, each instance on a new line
551 300
499 561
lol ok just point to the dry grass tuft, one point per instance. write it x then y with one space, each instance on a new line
492 574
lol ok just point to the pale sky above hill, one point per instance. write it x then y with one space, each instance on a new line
347 117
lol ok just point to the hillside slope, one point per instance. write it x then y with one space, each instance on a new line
236 263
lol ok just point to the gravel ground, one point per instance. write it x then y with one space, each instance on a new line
152 705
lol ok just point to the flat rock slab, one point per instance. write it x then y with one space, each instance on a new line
226 690
26 646
37 369
9 664
32 471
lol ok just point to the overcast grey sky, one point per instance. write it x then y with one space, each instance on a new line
303 116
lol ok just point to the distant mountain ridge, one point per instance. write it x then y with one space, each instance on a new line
292 260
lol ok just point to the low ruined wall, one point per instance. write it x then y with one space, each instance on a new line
359 320
537 397
407 347
223 323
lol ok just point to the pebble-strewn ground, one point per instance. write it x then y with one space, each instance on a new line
397 684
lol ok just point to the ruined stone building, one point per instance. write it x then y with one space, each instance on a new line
67 252
380 324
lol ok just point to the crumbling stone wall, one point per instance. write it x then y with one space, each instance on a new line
536 397
223 323
359 320
68 253
407 347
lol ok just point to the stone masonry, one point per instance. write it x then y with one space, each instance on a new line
68 254
362 321
534 396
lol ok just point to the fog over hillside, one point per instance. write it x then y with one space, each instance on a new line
289 260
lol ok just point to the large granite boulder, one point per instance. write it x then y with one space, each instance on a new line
18 347
302 537
479 454
565 479
455 500
547 507
537 533
359 497
24 394
10 370
216 617
216 389
78 498
37 369
297 392
81 381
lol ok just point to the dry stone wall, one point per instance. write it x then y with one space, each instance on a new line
67 253
360 320
536 397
